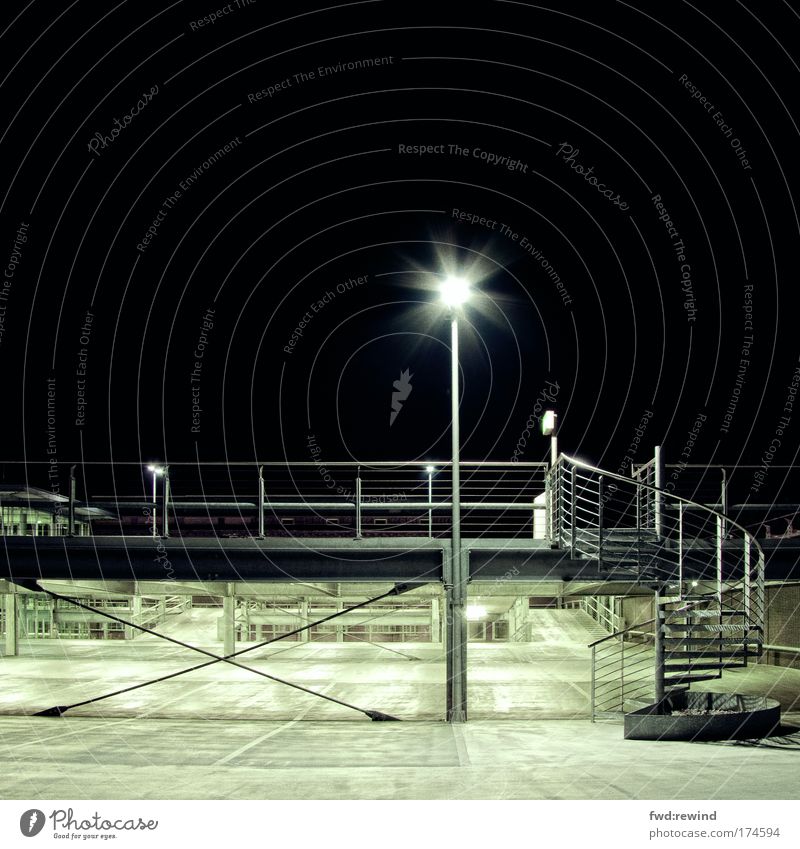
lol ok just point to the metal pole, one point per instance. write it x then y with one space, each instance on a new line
659 482
358 503
572 514
724 499
430 502
261 502
165 518
680 549
593 681
71 520
155 506
457 620
600 522
659 649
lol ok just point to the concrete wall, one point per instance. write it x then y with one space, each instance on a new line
783 624
637 609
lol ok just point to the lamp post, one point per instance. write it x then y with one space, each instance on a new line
430 470
455 291
156 471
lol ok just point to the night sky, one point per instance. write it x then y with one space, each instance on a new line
223 237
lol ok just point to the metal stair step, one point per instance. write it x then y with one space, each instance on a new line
691 679
691 655
710 627
709 641
704 614
699 667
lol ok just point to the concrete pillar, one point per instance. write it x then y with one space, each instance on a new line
136 616
339 626
436 621
12 625
229 621
304 635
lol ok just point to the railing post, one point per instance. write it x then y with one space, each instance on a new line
573 498
71 519
659 483
724 499
638 531
548 507
680 549
659 648
622 672
261 502
600 522
593 685
165 518
719 559
358 503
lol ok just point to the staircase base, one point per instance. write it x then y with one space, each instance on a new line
745 717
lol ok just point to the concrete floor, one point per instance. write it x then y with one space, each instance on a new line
81 758
225 733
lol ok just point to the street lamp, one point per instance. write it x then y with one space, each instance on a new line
455 292
156 471
430 470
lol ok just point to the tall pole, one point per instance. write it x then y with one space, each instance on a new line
430 502
457 630
155 507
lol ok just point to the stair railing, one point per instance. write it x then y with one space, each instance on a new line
622 670
600 515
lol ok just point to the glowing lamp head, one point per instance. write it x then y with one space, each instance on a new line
548 423
156 470
455 291
430 469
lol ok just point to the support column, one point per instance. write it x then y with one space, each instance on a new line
304 620
229 621
12 625
136 617
436 621
339 627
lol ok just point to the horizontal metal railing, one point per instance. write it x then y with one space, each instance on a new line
305 498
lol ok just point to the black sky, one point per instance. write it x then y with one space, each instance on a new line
315 191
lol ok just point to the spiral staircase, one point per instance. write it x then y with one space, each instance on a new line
705 571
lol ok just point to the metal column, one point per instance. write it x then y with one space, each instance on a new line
455 575
229 621
12 625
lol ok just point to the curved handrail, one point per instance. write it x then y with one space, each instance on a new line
620 633
607 474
